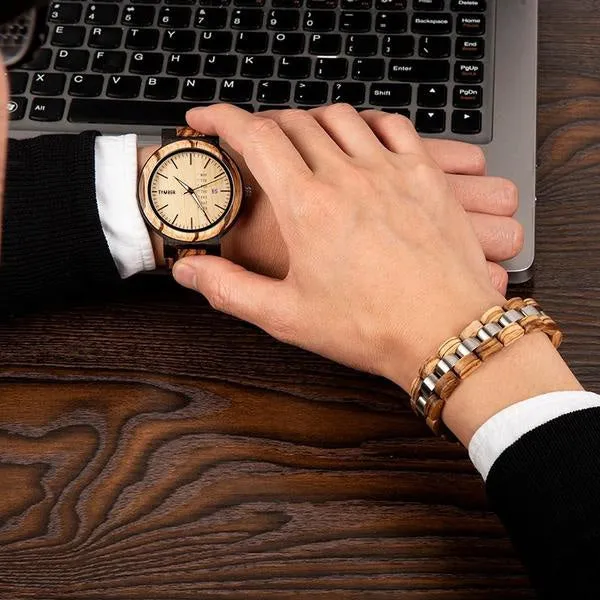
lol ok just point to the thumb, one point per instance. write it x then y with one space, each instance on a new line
498 276
233 290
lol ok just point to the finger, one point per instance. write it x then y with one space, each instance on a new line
268 152
456 157
498 276
501 238
489 195
231 289
315 145
349 130
395 132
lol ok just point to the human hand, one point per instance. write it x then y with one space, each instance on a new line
383 261
256 243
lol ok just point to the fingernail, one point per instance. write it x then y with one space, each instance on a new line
184 275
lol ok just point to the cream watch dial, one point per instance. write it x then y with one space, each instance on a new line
190 190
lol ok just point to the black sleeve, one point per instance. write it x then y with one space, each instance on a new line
53 246
546 490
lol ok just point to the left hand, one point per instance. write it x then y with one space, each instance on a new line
256 243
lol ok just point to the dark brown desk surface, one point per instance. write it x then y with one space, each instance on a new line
218 464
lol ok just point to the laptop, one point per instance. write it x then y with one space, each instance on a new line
460 69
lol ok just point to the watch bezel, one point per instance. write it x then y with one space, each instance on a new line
174 234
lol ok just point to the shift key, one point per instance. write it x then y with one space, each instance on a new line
419 70
390 94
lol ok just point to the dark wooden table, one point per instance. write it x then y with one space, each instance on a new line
221 464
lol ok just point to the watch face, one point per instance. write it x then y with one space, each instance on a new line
190 190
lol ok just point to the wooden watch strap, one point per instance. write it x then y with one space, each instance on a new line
175 253
172 135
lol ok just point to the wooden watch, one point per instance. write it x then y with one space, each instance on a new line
190 193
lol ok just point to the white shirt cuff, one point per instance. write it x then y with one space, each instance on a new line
116 193
501 431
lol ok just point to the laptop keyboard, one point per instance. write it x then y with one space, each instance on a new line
135 65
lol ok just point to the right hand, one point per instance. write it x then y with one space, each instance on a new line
384 263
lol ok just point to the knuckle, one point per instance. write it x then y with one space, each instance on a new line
294 116
339 110
398 121
261 128
219 295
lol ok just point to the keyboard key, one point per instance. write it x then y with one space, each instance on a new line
390 22
107 38
199 90
178 41
469 5
176 17
294 67
331 68
129 112
109 62
146 63
252 42
328 43
470 48
142 39
102 14
432 24
16 108
355 22
40 61
434 47
236 90
398 45
368 69
324 4
257 67
390 94
319 20
288 43
419 70
357 4
65 13
351 93
266 107
468 96
250 3
311 92
428 4
211 18
466 122
161 88
214 2
246 18
274 92
470 25
287 3
48 84
86 86
47 109
390 4
215 41
123 86
183 64
283 20
430 121
220 66
72 60
433 96
67 36
362 45
18 82
468 72
138 16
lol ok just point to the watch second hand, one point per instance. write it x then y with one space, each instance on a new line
190 190
209 183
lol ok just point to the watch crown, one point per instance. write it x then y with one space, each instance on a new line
247 191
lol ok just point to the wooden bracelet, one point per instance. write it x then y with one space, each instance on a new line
459 357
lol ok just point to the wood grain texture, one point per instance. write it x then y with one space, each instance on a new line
221 464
